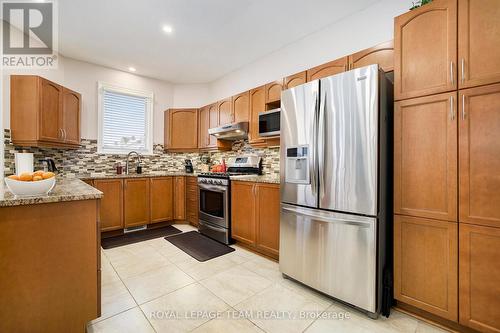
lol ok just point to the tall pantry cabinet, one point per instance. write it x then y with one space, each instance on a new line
447 161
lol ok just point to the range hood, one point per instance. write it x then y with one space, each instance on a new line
230 132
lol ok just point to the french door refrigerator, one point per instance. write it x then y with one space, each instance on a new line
334 187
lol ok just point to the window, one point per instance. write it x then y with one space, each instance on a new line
125 120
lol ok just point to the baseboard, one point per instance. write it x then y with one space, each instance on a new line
432 319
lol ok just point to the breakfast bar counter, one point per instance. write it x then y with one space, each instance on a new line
66 189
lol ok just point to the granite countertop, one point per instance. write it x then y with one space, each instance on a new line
135 175
66 189
268 179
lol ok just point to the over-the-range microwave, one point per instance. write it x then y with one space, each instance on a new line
269 122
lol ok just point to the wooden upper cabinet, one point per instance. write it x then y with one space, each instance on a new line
213 121
478 42
43 113
136 201
181 127
257 104
203 126
243 220
111 208
71 116
381 54
295 80
179 198
225 111
425 265
425 157
51 113
328 69
480 155
273 91
479 278
241 107
425 50
161 197
268 210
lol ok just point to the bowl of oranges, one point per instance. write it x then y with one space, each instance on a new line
31 183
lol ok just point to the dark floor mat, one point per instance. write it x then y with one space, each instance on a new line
199 246
138 236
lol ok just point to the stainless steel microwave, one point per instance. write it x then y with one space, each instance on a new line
269 122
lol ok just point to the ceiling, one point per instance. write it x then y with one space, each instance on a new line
210 38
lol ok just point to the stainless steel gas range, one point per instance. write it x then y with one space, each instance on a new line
215 196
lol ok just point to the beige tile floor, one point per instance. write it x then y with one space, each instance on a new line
154 287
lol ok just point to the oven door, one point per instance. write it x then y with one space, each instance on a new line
214 204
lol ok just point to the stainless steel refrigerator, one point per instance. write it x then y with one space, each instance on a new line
334 227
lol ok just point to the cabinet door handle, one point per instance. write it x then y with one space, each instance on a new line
463 108
463 70
59 133
452 111
452 79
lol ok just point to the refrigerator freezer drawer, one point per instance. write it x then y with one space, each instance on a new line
331 252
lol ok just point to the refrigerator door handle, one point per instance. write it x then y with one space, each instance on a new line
313 160
323 216
321 144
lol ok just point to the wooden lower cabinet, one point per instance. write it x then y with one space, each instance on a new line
136 201
479 279
268 217
243 221
425 265
50 261
111 212
255 216
192 204
162 196
179 198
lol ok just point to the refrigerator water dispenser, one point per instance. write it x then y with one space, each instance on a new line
297 165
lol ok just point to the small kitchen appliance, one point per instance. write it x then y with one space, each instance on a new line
188 166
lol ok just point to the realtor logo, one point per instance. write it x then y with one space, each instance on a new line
29 38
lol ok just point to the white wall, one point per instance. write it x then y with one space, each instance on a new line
361 30
191 95
83 77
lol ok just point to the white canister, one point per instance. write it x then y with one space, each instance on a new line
24 162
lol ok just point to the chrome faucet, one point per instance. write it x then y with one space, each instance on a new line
128 158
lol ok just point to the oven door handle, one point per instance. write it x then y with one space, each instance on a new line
214 188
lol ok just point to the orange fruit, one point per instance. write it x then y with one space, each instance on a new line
37 178
26 177
47 175
14 177
38 173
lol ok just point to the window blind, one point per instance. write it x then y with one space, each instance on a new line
124 125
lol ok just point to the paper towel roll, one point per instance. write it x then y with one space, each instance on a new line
24 162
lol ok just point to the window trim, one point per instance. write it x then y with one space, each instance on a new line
101 87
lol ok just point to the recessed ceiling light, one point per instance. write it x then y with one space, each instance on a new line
167 29
132 69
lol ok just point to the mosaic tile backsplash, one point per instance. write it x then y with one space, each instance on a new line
86 160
